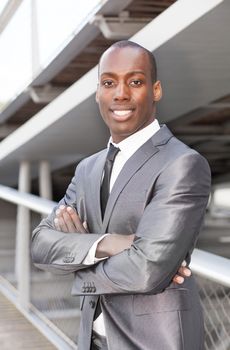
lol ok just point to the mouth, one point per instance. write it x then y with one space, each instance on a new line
122 114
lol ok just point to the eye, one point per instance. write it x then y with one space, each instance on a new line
136 82
107 83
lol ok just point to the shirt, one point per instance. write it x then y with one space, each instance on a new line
127 148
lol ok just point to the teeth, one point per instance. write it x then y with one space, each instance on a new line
122 113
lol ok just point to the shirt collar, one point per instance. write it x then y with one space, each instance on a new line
131 144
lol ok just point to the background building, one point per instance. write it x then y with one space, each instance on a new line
48 78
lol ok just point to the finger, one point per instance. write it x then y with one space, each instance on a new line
62 224
85 226
74 216
184 271
62 207
69 222
184 264
59 211
178 279
56 224
76 220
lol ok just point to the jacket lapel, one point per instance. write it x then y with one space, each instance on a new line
130 168
138 159
95 184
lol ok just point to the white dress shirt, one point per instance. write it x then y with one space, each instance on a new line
127 148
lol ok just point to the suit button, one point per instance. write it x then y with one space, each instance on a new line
68 259
92 304
93 289
83 289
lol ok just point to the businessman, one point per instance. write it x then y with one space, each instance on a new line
130 217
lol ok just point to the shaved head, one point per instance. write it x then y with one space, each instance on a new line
127 43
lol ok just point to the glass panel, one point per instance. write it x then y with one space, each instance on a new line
15 58
57 20
2 5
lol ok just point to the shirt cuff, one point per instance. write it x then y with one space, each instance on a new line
90 258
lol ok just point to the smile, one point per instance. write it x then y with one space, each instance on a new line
122 113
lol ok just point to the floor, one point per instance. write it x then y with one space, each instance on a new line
16 332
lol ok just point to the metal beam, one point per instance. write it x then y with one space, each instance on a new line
14 106
211 266
192 116
119 27
219 105
82 36
190 11
45 94
201 129
22 258
197 138
45 180
37 204
8 12
5 130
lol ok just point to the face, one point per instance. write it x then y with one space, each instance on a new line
126 94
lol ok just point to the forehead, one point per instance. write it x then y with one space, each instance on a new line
124 60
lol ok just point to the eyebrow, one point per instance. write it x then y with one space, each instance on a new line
128 74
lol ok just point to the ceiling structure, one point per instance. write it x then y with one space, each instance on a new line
194 67
56 78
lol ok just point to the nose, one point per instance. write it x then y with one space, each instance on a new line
121 92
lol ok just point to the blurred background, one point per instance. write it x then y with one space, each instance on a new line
49 121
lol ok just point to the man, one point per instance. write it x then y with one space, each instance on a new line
159 190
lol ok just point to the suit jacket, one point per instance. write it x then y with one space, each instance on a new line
160 195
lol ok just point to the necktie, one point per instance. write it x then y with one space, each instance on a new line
107 174
112 152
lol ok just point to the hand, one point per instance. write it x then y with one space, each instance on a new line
67 220
183 272
113 244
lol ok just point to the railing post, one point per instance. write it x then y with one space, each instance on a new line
22 258
45 181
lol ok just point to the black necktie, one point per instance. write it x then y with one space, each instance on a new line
112 152
107 174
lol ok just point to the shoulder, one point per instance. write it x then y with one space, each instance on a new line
177 161
88 162
174 150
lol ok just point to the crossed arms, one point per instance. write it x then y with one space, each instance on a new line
164 237
68 221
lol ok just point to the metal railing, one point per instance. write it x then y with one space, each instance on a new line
50 294
45 299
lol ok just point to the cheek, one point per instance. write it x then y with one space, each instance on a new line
101 104
142 98
103 100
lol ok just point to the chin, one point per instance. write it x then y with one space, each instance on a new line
121 135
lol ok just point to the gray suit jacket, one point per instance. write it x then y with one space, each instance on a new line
160 195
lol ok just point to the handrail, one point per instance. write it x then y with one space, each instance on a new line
207 265
211 266
35 203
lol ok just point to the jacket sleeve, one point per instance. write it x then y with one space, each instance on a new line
165 236
60 252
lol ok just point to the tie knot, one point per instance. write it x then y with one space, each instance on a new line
112 152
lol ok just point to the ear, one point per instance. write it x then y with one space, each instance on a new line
157 91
